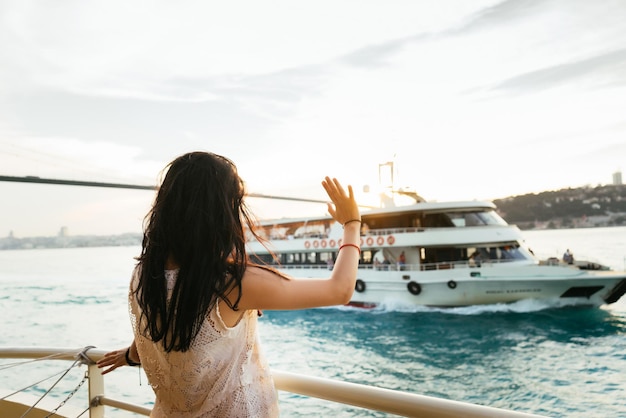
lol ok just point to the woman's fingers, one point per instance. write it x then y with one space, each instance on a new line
345 207
105 371
341 193
335 190
111 361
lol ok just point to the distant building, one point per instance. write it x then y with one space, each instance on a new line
617 178
63 232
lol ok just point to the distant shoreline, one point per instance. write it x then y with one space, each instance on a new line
573 208
135 239
78 241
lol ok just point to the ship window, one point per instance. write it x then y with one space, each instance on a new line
313 229
291 258
489 218
459 219
437 220
306 258
262 258
441 254
499 253
474 219
391 221
326 258
502 253
511 252
462 219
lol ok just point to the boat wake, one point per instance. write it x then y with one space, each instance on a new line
521 306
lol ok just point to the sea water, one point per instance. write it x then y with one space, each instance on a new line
528 356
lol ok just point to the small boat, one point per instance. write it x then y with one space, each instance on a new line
436 254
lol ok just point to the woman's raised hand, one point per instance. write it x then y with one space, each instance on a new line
343 207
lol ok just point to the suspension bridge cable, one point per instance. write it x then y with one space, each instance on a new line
40 180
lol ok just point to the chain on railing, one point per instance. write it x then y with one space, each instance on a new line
81 358
67 398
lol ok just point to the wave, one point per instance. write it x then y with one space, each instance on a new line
522 306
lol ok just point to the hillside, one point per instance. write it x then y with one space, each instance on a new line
584 207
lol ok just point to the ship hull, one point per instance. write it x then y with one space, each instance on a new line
452 287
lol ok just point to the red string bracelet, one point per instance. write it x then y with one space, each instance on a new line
351 245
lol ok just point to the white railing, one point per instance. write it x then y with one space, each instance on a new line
370 232
442 265
363 396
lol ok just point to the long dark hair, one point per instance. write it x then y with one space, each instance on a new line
196 221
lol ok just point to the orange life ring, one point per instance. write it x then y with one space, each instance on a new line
380 240
370 241
323 243
332 243
391 240
307 244
316 243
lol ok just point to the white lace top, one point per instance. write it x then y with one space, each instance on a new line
223 374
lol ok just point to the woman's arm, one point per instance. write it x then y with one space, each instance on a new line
124 357
262 289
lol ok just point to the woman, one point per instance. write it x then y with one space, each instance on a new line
194 296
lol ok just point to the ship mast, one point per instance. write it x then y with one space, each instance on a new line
386 171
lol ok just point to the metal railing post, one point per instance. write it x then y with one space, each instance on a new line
96 390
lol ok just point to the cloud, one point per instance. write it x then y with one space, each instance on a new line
502 13
607 69
294 91
129 48
75 159
379 54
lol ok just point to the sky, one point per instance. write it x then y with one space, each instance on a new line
479 99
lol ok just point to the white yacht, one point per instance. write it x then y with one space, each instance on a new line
436 254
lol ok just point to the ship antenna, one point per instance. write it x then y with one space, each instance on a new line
388 200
